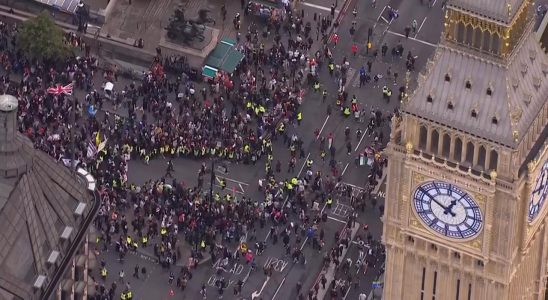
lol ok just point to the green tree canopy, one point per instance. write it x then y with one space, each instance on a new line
42 40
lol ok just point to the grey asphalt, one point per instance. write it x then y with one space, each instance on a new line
242 179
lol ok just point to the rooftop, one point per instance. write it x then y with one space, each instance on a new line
497 102
38 199
495 10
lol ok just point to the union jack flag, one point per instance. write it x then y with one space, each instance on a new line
59 89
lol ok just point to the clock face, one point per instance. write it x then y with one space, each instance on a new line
539 192
447 210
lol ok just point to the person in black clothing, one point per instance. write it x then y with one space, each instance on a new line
169 168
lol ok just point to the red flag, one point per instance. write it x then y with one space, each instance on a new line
59 89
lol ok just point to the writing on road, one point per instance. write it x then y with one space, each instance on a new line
277 264
215 278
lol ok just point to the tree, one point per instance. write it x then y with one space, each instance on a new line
42 40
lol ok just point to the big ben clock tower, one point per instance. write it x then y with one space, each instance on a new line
466 213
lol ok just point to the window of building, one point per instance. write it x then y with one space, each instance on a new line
468 84
493 160
422 283
433 247
489 91
434 286
469 291
456 255
495 120
474 113
447 78
450 105
429 99
458 289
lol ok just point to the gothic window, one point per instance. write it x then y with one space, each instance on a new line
450 105
469 35
495 43
447 78
469 153
429 99
486 41
489 91
478 34
493 160
423 132
460 32
495 120
481 156
446 145
434 141
458 150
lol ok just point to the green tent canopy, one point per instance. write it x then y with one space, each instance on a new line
224 57
209 72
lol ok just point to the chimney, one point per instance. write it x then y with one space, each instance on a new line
8 123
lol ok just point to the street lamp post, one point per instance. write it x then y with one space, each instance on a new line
72 144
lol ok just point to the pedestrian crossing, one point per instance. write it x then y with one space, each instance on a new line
65 5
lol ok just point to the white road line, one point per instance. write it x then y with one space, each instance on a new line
347 292
323 126
231 190
319 7
233 180
345 169
287 197
414 39
434 3
241 187
278 289
363 135
380 16
420 27
336 220
302 168
354 186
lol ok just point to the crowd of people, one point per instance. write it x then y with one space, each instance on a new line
233 117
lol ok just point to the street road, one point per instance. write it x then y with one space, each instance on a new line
242 180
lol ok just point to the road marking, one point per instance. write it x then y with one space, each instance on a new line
420 27
345 169
278 289
301 170
241 187
258 293
233 180
233 190
363 135
434 3
319 7
347 292
287 197
323 126
336 220
381 17
412 38
354 186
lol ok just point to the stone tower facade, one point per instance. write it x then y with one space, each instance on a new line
465 214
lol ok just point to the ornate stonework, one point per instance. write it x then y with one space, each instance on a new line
458 221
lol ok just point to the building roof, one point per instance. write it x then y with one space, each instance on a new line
495 10
38 198
519 90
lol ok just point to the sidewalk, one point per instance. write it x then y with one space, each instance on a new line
376 293
330 272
